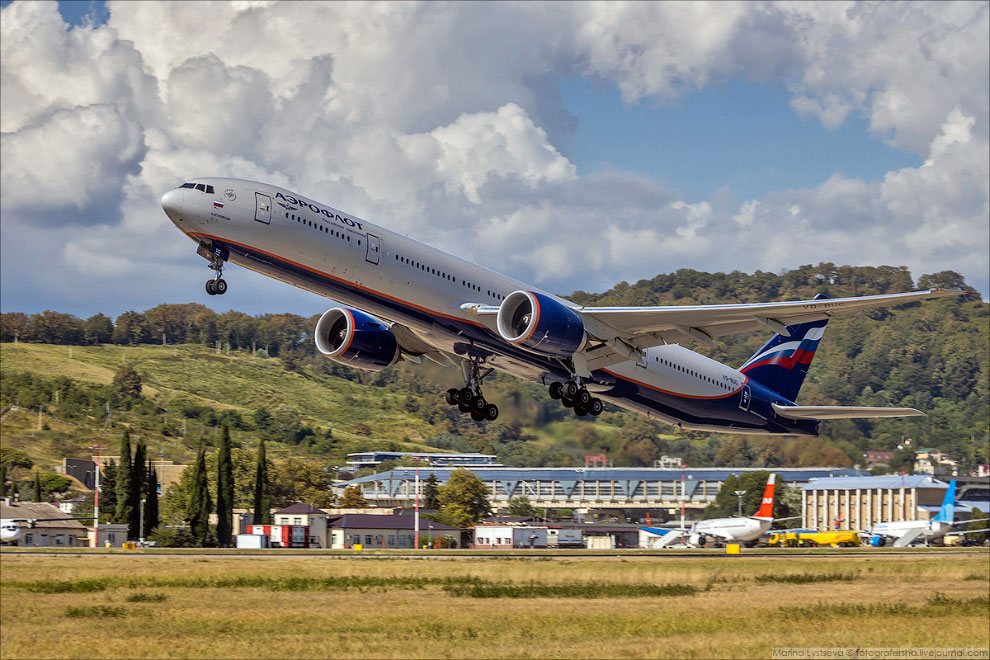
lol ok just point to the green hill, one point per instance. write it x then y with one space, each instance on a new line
932 356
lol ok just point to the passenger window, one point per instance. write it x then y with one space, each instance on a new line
201 187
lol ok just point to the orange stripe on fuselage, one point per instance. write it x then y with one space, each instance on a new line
684 396
338 279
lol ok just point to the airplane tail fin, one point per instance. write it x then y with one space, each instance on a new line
783 362
948 511
765 511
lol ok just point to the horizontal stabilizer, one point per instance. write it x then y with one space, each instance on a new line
842 412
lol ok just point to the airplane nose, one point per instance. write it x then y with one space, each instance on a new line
172 202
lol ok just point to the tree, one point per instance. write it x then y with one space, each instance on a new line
122 514
285 419
54 484
108 492
979 537
262 489
521 506
11 459
127 382
198 513
352 498
136 490
726 502
150 502
431 493
37 486
299 480
97 329
225 489
463 499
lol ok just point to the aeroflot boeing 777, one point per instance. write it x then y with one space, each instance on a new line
405 300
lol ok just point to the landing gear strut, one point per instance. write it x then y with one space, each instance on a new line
573 394
469 398
217 286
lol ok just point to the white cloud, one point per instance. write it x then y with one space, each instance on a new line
443 120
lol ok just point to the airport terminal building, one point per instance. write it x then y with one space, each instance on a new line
583 489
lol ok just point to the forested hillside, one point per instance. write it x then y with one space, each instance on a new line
267 380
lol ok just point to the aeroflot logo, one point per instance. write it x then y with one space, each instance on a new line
316 209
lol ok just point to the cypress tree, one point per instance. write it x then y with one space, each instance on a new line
136 491
37 486
262 490
225 489
199 499
122 514
151 501
108 491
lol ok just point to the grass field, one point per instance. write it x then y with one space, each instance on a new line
115 606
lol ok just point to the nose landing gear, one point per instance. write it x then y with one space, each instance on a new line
216 256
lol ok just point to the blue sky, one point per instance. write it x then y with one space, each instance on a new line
740 134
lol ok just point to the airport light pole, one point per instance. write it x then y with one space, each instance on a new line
739 496
416 509
141 524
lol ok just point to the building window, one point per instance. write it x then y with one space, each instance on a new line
29 539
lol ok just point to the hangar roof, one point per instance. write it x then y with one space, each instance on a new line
887 481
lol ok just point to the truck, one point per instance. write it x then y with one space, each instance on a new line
801 538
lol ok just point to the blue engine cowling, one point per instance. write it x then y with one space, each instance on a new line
351 337
541 324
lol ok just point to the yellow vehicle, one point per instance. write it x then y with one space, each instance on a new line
807 538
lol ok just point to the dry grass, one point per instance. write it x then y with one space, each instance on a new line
730 614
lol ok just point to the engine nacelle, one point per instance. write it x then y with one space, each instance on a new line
351 337
697 540
541 324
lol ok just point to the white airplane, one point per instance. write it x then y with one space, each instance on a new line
12 529
906 532
727 530
402 299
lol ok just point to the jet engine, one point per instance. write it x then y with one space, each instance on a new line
541 324
696 540
351 337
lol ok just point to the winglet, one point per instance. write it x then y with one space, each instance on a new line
765 512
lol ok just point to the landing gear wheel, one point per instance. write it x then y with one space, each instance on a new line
491 412
580 410
477 416
451 396
220 286
465 396
479 404
556 390
567 402
571 390
209 288
583 397
463 407
596 406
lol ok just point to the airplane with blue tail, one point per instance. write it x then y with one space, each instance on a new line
403 300
905 532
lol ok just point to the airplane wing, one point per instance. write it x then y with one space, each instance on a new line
842 412
621 332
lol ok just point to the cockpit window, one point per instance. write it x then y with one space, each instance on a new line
188 185
209 190
201 187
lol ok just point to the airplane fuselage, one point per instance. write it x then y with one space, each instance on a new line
318 248
733 530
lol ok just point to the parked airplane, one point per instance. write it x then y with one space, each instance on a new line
728 530
405 300
12 529
906 532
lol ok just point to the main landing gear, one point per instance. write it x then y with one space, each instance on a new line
469 398
573 394
217 286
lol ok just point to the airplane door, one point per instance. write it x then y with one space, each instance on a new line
744 398
262 208
374 249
